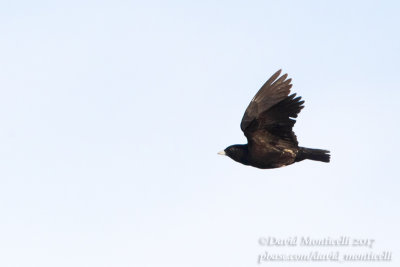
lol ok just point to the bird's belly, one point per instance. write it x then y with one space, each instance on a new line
272 158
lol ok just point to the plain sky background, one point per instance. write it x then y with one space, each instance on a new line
112 113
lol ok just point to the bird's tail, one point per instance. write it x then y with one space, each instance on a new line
313 154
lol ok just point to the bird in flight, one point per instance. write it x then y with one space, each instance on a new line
268 126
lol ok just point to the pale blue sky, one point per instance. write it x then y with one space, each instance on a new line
112 113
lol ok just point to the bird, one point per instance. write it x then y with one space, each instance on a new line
268 126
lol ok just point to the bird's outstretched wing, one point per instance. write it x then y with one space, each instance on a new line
273 110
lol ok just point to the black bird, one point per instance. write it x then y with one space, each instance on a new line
267 124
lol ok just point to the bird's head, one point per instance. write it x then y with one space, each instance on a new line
236 152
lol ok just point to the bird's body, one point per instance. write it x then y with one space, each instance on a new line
267 123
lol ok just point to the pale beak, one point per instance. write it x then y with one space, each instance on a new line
222 152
